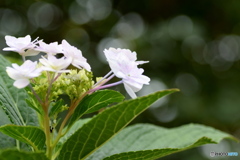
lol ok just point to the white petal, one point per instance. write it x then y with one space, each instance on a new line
16 66
130 91
20 45
54 64
119 74
67 49
142 62
47 69
81 65
52 48
10 40
76 55
21 83
63 71
29 64
63 62
134 85
141 79
14 74
9 49
35 73
44 61
26 39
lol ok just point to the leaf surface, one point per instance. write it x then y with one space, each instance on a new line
13 108
148 142
57 108
12 100
77 125
33 136
105 125
34 105
94 102
6 141
20 155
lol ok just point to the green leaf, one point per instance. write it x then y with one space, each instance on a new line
33 136
76 126
12 100
57 108
142 155
94 102
145 141
34 105
6 141
20 155
105 125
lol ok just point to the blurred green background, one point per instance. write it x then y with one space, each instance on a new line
191 45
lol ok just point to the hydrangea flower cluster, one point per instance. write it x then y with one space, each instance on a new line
123 64
54 88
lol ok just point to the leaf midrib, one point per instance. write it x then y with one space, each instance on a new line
113 134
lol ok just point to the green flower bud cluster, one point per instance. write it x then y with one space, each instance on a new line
74 84
41 85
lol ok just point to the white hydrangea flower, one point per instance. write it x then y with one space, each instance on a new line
113 53
22 45
51 48
76 55
22 74
51 63
125 66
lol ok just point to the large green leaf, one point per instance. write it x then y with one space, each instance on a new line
31 135
94 102
13 108
12 100
78 124
5 141
105 125
20 155
148 142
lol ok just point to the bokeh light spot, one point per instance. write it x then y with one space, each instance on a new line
180 27
11 22
98 10
130 26
155 85
107 43
78 13
44 15
187 83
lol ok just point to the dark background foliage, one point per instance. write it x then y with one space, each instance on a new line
191 45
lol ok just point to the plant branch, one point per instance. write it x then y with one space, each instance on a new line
47 131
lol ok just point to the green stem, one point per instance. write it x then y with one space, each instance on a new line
60 134
47 133
70 112
50 81
46 120
18 144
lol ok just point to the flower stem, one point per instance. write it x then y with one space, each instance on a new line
18 144
72 107
104 78
35 94
23 58
106 86
47 131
